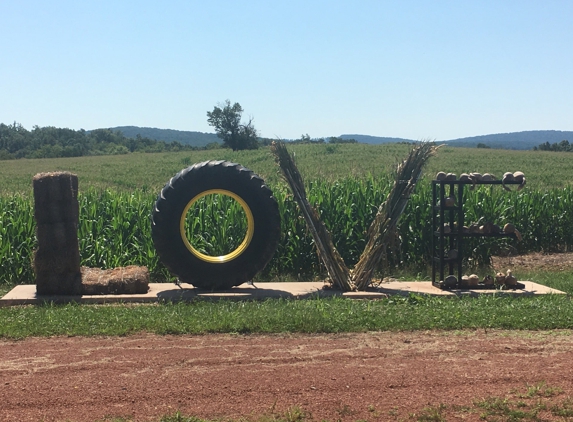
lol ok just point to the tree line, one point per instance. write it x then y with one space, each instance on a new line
52 142
556 146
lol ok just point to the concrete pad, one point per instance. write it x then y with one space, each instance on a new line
25 294
426 288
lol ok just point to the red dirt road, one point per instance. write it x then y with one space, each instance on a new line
372 376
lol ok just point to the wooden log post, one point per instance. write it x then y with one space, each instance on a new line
56 210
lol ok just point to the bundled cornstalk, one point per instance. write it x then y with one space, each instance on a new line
337 270
383 227
381 230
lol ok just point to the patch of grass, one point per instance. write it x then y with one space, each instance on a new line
5 288
526 405
541 390
537 403
292 414
560 280
178 417
332 315
430 414
496 406
564 409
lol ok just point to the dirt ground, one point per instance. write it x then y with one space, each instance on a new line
367 376
535 261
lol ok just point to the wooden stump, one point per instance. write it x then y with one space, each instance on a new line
57 259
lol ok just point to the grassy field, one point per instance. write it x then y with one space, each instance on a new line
335 315
300 316
150 172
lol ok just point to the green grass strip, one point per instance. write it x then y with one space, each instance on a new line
290 316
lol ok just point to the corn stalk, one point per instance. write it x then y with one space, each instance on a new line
384 225
335 266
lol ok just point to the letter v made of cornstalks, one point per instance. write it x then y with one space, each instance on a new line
382 228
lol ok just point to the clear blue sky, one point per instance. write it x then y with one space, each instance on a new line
411 69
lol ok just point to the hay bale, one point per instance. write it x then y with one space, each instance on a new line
56 197
49 283
132 279
57 259
55 186
56 212
57 236
55 262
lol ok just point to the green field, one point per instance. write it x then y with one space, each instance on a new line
345 182
336 315
324 161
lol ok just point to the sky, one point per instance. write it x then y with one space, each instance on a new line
407 68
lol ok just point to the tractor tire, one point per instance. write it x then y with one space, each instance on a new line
170 239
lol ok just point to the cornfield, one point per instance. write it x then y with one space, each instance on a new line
215 225
115 230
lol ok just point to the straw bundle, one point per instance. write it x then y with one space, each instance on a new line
132 279
384 225
382 229
337 270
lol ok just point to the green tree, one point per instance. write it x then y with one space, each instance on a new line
564 145
226 119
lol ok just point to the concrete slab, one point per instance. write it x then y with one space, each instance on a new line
426 288
25 294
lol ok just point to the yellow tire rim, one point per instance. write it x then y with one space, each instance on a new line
244 244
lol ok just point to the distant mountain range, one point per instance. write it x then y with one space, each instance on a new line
513 140
367 139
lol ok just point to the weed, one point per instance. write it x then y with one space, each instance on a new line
564 410
373 412
178 417
541 390
344 410
431 414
